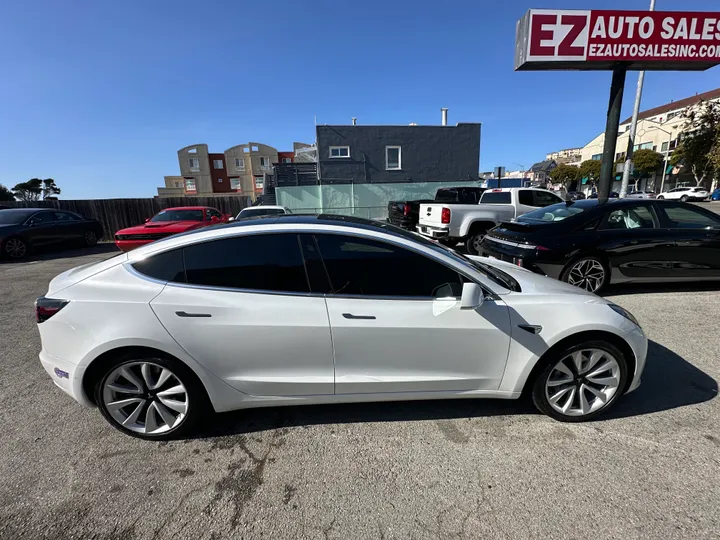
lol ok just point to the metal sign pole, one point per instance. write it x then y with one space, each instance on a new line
607 168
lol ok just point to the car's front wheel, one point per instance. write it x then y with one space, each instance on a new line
150 397
581 381
684 198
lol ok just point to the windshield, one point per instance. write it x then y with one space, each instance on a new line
259 211
8 217
178 215
554 212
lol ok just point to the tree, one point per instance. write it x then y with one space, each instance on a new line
645 163
49 190
699 141
28 191
565 174
590 169
6 194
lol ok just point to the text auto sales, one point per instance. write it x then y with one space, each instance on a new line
671 28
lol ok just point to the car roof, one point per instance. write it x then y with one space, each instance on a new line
186 208
274 206
28 209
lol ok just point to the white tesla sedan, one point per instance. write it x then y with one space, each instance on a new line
289 310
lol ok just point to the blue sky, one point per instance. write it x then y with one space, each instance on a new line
100 95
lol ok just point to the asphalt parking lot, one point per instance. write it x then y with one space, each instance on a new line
448 469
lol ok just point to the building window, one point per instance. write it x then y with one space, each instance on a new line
393 158
265 163
218 163
235 184
643 146
259 183
596 157
194 163
239 164
664 147
620 156
254 148
339 151
190 185
286 160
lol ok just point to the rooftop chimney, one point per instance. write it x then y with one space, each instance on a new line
444 116
354 120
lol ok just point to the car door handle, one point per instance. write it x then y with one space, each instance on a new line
185 314
363 317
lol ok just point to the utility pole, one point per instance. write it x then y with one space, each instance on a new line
607 169
633 128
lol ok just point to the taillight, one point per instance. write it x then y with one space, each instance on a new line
445 215
47 307
542 248
406 210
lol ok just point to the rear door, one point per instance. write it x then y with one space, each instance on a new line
69 227
244 309
696 236
636 245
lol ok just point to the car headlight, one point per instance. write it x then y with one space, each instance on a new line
625 313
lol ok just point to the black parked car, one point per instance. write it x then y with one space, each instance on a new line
625 240
22 229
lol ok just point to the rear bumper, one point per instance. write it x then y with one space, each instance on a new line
521 257
433 232
128 245
66 376
402 223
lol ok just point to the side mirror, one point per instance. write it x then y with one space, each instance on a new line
147 220
472 296
231 219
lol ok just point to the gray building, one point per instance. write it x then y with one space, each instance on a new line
397 154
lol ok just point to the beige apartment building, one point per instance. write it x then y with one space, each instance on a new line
240 170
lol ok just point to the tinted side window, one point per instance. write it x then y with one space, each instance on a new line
66 216
263 262
526 197
213 213
636 217
543 199
358 266
688 218
43 217
166 266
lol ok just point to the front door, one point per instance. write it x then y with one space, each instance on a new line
696 236
41 228
397 325
246 313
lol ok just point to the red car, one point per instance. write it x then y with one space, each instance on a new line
166 223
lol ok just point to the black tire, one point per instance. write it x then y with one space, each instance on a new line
539 385
473 239
684 198
90 238
197 402
568 276
15 248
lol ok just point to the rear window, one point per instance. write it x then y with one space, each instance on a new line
496 197
554 212
446 195
166 266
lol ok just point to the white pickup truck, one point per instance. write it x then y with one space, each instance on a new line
468 223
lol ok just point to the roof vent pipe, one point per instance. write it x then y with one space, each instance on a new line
444 116
354 120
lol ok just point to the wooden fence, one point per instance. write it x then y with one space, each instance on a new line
116 214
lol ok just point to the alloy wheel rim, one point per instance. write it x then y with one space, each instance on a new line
583 382
477 240
587 274
15 248
90 237
145 398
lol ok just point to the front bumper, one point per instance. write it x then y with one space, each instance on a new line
433 232
129 245
639 344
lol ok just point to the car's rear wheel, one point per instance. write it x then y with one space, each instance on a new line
150 397
684 198
589 273
581 381
472 243
90 238
15 248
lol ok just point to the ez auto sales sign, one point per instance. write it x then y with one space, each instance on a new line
590 40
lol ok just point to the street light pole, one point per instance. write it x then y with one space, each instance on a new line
667 152
633 128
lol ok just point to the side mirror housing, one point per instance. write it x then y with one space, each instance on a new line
472 296
230 219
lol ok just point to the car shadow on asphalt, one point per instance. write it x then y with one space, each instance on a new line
647 288
668 382
49 254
